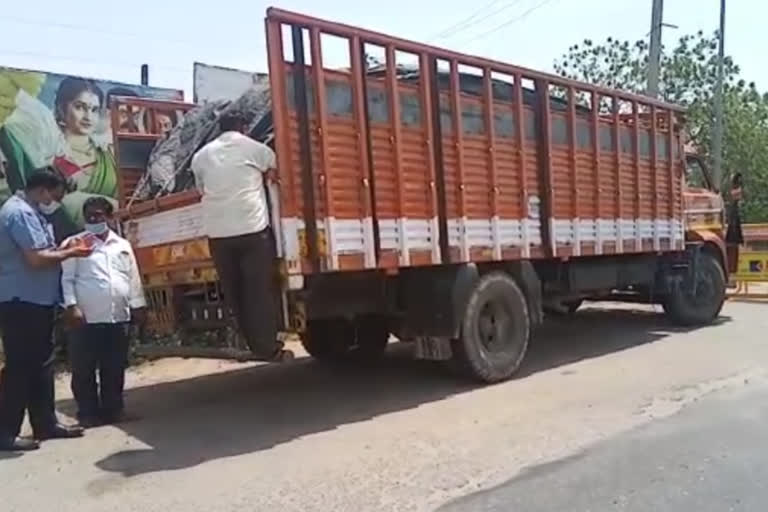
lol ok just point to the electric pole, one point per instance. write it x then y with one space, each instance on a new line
654 51
145 74
717 132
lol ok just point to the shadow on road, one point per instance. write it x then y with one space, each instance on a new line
593 332
9 455
207 418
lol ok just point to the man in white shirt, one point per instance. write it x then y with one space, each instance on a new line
229 172
102 294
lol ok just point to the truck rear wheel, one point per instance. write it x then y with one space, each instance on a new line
363 338
495 329
371 338
699 298
328 339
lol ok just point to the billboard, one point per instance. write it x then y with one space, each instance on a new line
214 83
48 119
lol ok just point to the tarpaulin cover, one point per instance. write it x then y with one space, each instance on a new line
168 167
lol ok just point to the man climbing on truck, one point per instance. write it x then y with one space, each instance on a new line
229 173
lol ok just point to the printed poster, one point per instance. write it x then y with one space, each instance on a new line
62 121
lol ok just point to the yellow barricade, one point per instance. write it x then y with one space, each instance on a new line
752 272
751 278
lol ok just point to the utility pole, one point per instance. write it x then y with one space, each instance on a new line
717 132
654 51
145 74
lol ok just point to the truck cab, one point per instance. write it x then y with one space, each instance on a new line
704 210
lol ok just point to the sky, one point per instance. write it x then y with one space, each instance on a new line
107 41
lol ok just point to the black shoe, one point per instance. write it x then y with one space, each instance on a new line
60 431
18 444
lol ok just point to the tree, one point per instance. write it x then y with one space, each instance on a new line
687 77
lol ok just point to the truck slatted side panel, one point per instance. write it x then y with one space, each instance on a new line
529 165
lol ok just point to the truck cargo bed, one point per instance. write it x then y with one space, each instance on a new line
443 158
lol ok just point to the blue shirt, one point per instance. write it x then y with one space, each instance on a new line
22 227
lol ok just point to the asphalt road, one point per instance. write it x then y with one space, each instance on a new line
408 436
709 458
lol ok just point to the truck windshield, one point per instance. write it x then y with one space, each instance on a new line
696 174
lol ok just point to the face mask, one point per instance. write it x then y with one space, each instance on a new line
98 228
50 208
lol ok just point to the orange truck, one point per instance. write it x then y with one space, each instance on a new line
448 200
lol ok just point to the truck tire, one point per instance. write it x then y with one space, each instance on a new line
371 338
363 339
686 308
328 339
495 329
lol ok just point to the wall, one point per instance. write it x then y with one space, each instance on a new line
214 83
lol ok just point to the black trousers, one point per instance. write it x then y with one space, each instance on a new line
99 349
245 265
26 381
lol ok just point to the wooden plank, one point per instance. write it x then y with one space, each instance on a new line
393 92
595 130
546 183
162 351
521 155
321 110
305 149
326 173
618 162
636 155
458 133
436 135
671 171
281 117
362 127
654 181
427 123
493 174
572 148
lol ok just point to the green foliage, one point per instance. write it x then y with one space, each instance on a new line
687 77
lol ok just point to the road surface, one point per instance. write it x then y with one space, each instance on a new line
406 435
710 458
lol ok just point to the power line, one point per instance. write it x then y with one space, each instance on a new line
471 24
463 21
508 22
110 62
91 29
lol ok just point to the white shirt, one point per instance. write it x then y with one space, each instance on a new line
106 285
228 172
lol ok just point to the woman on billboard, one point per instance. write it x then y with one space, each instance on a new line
73 139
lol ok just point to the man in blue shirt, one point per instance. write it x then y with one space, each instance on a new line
30 268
